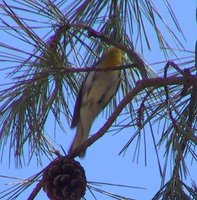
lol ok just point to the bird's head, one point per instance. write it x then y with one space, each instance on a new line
112 57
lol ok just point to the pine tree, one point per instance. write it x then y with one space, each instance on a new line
48 48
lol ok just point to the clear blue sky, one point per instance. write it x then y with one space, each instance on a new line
102 163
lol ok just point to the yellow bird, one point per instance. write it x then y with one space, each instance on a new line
96 91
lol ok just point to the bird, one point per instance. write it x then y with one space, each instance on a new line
96 91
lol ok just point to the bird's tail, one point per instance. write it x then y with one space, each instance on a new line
80 136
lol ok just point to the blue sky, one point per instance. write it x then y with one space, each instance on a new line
102 163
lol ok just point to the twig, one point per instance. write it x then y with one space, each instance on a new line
35 191
141 85
87 69
137 60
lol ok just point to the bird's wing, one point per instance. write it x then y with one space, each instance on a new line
76 114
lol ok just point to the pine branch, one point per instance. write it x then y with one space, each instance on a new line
141 85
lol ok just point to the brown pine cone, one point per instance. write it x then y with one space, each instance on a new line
64 179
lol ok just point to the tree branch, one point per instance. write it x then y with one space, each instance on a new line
141 85
137 60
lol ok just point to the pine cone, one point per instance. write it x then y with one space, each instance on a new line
64 179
